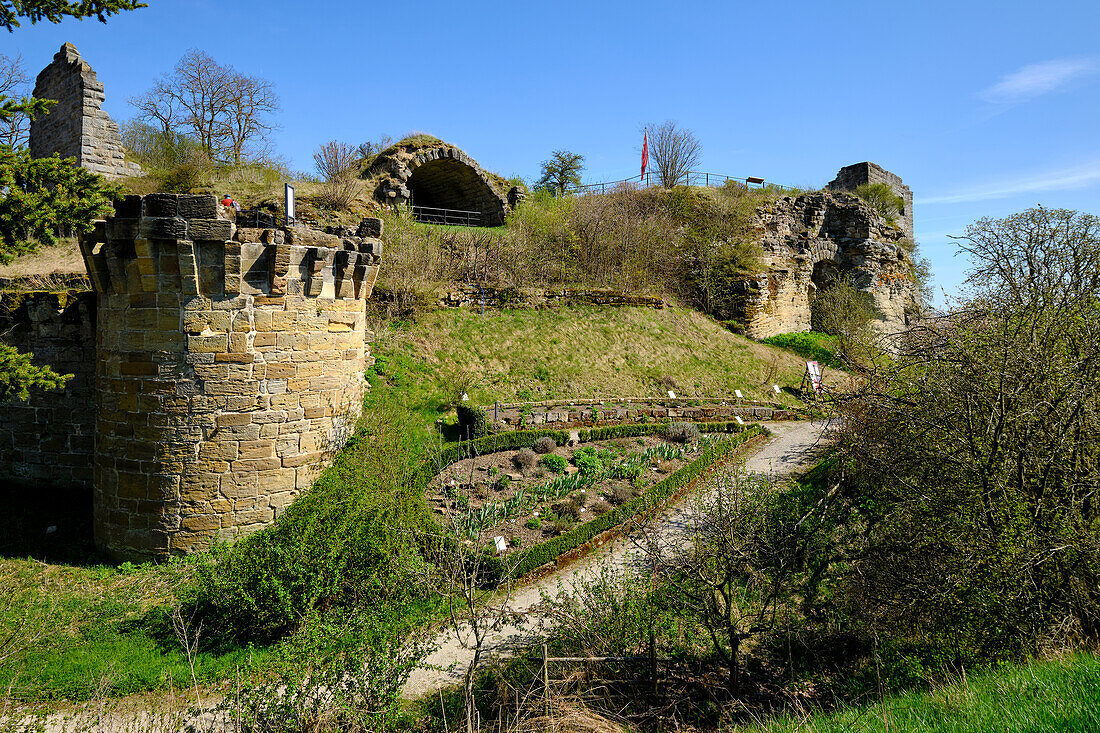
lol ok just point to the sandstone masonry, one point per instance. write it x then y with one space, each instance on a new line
851 177
49 439
230 363
77 126
809 239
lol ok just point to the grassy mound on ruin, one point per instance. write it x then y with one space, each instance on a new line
573 352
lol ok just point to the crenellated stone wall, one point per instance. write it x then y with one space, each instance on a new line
230 363
48 440
77 126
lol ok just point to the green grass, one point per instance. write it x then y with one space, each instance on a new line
84 632
820 347
575 352
1057 695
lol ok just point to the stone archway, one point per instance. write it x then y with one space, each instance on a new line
824 275
443 177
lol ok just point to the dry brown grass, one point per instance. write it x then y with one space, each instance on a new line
64 257
569 716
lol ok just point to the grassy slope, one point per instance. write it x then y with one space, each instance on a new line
1057 695
581 352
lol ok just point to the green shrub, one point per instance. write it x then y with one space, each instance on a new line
554 462
882 199
472 421
533 523
588 460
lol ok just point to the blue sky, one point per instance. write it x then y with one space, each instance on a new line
983 108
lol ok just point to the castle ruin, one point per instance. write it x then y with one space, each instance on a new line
77 126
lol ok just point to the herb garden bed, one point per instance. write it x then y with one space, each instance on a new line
566 497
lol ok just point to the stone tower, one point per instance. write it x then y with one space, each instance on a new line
229 363
77 127
852 176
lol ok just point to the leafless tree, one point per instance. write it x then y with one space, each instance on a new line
227 112
14 130
727 567
675 152
457 552
337 163
374 147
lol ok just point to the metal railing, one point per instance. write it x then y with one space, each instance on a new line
691 178
447 217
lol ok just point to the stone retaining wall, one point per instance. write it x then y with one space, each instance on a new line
48 440
230 363
626 412
472 296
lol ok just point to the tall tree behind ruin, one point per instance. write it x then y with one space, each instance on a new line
229 113
675 152
14 129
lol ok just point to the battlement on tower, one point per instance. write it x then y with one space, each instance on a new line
229 365
169 242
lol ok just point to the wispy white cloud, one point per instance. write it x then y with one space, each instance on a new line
1082 176
1035 79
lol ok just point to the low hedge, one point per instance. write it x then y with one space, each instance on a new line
633 431
549 551
481 446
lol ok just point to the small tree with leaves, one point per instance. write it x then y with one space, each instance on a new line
882 199
561 171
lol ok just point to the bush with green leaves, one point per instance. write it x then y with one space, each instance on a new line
813 345
472 422
554 462
882 199
339 671
590 461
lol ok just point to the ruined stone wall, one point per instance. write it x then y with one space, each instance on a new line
227 370
852 176
439 176
48 440
77 126
828 230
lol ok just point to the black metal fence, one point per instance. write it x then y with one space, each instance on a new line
691 178
448 217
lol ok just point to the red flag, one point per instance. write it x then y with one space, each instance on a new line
645 152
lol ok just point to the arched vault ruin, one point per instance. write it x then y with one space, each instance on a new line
439 177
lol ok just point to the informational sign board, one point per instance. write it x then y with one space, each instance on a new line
813 371
500 545
288 192
739 395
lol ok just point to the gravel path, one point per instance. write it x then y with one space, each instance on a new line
792 446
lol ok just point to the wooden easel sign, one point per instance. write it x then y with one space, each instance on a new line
814 377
